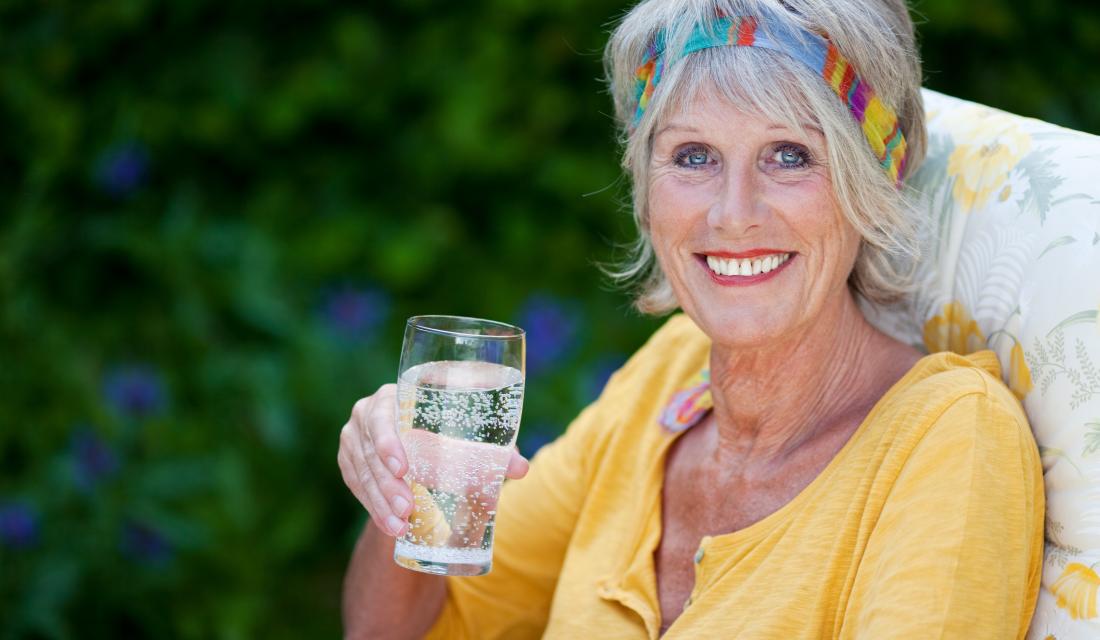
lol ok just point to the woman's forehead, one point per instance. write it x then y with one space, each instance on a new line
704 119
697 99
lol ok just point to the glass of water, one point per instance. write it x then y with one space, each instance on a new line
459 397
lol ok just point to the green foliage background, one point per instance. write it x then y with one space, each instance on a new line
214 218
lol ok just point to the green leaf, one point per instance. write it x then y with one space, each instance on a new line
1042 181
1058 453
1058 242
1092 438
1075 196
1078 318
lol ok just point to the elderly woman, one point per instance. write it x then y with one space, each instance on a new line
768 465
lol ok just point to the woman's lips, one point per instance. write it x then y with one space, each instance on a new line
758 265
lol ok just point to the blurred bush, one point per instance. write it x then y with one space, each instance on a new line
215 218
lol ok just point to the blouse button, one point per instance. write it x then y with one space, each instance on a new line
699 555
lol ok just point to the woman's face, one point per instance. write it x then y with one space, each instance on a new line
745 224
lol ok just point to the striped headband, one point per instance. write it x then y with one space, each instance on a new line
878 121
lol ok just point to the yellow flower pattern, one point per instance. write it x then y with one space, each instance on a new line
954 330
987 149
1019 377
1076 590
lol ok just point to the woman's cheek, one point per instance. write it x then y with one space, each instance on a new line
684 194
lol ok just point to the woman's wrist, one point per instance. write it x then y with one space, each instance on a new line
412 600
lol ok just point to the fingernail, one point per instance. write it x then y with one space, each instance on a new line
393 464
400 504
394 523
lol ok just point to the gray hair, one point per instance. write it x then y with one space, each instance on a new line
876 36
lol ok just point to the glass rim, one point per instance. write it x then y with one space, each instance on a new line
416 323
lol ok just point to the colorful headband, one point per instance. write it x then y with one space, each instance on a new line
878 121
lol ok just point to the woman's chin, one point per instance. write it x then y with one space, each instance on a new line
742 328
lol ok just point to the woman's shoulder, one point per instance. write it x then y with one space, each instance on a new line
673 355
636 394
951 425
624 418
949 391
951 375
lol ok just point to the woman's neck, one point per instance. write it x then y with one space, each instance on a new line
770 400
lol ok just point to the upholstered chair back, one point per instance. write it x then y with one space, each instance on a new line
1012 264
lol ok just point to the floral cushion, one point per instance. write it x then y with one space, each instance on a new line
1013 264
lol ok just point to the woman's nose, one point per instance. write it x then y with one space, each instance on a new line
736 208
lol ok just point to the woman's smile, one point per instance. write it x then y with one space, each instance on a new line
744 268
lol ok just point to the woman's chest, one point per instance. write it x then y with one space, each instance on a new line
697 506
625 546
767 588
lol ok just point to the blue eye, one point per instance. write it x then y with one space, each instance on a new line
790 156
692 157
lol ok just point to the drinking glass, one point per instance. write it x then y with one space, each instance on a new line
459 397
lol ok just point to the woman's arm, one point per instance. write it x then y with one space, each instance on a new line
382 600
534 523
957 550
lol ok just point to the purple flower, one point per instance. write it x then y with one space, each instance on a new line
92 459
144 544
355 313
18 525
135 391
551 327
121 169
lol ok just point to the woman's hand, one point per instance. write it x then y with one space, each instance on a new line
373 461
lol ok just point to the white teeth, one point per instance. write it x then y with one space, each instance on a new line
734 267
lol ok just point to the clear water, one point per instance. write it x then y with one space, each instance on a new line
458 422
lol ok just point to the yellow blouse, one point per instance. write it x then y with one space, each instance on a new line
927 524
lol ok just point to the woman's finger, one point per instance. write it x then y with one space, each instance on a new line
367 485
351 476
379 423
517 465
357 475
383 515
394 491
